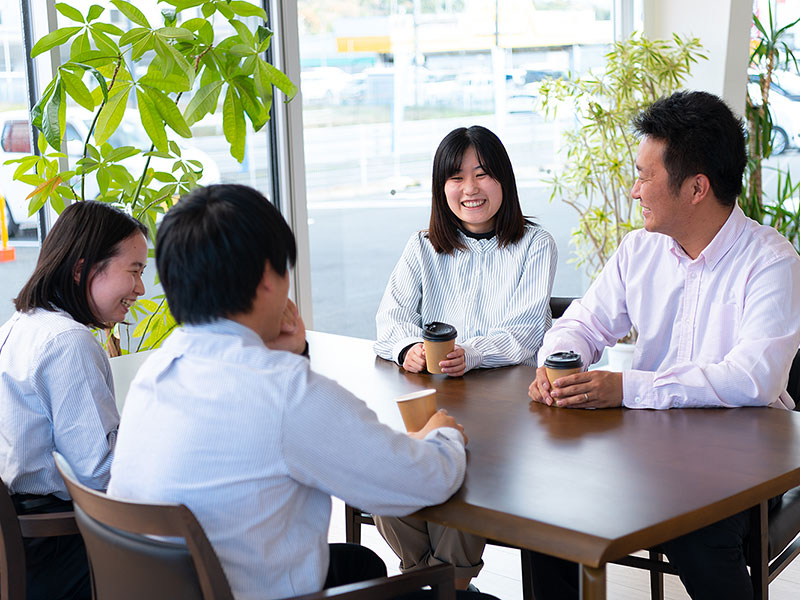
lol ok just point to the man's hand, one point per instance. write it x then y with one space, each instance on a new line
539 389
414 362
439 419
293 331
456 364
592 389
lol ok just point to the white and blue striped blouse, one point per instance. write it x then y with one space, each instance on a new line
497 298
56 393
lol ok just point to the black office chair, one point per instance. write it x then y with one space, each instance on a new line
13 528
354 518
128 564
766 561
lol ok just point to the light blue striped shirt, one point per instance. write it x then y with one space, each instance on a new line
56 393
496 298
255 443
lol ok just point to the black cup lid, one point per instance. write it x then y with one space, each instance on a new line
439 332
563 360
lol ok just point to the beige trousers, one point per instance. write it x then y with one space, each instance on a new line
421 544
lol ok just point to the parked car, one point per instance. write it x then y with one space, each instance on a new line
15 143
323 84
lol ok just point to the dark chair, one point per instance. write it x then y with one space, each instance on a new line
128 564
767 555
354 518
13 528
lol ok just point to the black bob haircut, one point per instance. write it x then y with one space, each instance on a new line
90 232
212 247
702 135
443 231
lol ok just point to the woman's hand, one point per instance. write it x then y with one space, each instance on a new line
456 364
414 362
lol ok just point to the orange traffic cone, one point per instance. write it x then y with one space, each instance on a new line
7 254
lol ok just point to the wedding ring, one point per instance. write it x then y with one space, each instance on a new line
585 395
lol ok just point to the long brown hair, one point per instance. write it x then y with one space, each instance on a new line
443 232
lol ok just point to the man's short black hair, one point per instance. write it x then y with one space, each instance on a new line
702 135
212 247
83 240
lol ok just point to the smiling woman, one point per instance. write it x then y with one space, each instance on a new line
482 268
57 392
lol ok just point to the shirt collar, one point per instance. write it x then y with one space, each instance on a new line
722 242
226 327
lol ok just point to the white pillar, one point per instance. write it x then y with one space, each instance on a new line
723 27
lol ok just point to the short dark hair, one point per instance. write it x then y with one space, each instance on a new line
212 247
702 135
85 231
444 226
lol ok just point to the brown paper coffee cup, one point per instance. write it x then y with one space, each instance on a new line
553 374
435 352
416 408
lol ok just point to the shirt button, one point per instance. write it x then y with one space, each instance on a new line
638 400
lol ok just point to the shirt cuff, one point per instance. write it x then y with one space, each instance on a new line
402 345
637 389
451 433
472 358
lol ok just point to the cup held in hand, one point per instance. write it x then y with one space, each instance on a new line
560 364
439 340
416 408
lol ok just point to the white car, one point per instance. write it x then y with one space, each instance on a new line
15 143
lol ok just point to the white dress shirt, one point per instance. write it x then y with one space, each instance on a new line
255 443
720 330
496 298
56 393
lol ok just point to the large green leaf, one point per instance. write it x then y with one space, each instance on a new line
233 124
130 11
95 10
51 127
245 35
258 113
103 42
151 121
174 82
133 35
77 89
169 111
80 45
53 39
245 9
70 12
112 113
203 102
266 74
175 33
172 59
108 28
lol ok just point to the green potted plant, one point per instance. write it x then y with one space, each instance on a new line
770 52
177 72
600 151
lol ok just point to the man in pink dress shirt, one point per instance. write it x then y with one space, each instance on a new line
715 299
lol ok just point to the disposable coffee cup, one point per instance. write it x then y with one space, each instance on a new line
439 340
560 364
416 408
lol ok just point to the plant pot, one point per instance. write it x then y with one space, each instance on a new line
620 357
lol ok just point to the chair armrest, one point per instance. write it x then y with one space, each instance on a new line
48 524
441 576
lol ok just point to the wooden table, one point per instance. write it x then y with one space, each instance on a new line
590 486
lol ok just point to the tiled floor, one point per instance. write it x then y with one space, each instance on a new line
501 573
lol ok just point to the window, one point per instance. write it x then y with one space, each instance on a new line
383 83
